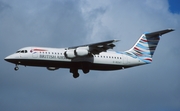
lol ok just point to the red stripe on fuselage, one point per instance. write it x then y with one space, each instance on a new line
39 50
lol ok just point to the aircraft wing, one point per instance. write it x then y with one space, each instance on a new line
96 48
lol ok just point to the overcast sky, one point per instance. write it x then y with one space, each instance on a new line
63 23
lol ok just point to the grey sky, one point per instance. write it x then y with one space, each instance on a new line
63 23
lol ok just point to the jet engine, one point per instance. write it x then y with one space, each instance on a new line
81 52
70 54
78 52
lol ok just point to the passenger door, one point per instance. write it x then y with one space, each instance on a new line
34 54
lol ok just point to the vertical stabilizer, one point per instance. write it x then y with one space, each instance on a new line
146 45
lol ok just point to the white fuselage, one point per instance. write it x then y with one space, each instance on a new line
54 58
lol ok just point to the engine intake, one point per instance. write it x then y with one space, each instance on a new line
70 54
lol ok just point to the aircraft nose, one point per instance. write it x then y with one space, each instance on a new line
7 58
10 58
13 58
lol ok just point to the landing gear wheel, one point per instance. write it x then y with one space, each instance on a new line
16 68
85 71
75 75
74 71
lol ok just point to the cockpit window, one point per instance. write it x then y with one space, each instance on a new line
18 51
22 51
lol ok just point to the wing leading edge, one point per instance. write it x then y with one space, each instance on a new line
96 48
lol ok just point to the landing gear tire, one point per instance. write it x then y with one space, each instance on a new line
85 71
74 71
75 75
16 68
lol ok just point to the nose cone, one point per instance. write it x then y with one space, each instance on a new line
11 58
8 58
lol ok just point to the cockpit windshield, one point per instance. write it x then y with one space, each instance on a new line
22 51
18 51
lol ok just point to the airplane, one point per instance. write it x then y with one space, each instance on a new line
96 56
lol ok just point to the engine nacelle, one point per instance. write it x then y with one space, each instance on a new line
81 52
52 68
72 53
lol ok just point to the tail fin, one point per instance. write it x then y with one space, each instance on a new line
146 45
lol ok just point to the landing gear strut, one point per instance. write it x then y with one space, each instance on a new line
75 73
16 68
86 67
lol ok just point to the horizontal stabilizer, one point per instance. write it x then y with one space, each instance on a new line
159 33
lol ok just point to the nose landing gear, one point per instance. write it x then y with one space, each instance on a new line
16 67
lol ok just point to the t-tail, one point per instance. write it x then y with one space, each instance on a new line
146 45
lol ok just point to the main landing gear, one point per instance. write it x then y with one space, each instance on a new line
76 75
16 67
75 72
